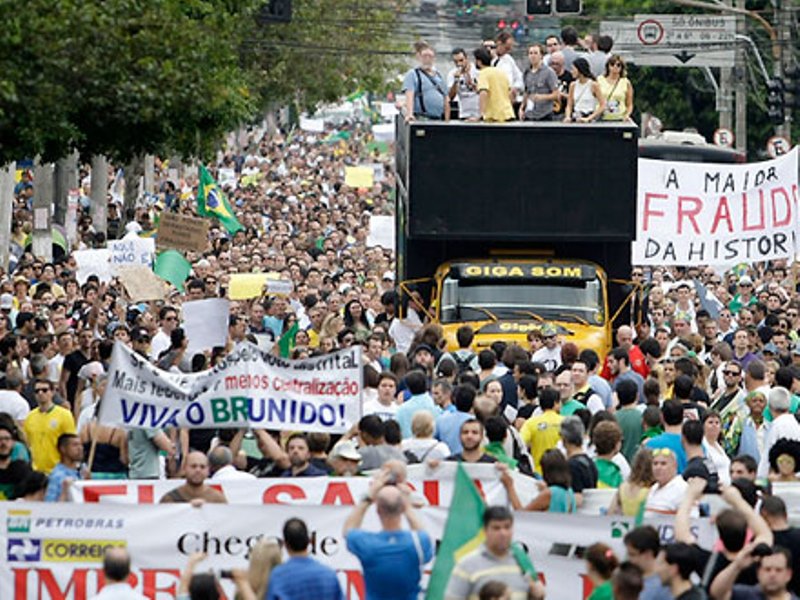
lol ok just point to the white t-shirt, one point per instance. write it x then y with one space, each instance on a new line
374 407
551 359
665 500
468 99
160 342
508 65
14 404
426 449
54 368
402 331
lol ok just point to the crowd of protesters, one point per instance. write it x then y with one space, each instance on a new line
697 397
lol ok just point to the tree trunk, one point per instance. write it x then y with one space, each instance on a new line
134 171
99 193
42 200
6 209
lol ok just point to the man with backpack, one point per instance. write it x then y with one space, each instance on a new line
424 88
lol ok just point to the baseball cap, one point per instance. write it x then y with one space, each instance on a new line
771 348
388 275
6 302
745 280
548 330
140 334
346 449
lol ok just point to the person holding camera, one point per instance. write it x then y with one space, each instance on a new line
392 558
697 464
774 568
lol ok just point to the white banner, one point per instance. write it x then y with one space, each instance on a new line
432 486
716 214
55 551
249 388
131 251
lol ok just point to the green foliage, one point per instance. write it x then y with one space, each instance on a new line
127 77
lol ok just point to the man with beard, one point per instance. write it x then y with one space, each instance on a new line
195 491
472 444
300 458
12 472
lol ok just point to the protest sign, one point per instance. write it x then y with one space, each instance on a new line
93 262
716 214
248 388
142 284
131 251
55 550
433 486
381 232
313 125
383 132
182 232
244 286
205 323
358 177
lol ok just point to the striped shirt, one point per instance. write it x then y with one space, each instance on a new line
478 568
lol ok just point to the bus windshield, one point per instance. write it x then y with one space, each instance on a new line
578 301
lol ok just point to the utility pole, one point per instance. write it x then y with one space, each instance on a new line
725 94
783 18
740 79
6 208
99 193
42 204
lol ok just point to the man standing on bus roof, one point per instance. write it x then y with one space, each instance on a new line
493 89
549 354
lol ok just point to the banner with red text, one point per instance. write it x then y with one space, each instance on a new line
54 551
716 214
247 388
432 487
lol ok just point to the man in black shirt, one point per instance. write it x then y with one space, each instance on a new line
774 574
68 384
471 436
773 510
12 472
582 469
674 567
697 465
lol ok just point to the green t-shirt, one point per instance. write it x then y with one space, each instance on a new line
496 449
604 591
630 421
568 409
608 473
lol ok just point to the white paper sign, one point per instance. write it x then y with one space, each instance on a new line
388 110
716 214
314 125
205 323
383 132
248 388
381 232
131 251
93 262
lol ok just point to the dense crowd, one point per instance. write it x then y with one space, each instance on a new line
697 397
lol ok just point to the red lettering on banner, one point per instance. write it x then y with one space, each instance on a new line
723 214
271 494
354 582
787 201
54 591
745 204
92 493
145 493
430 488
689 213
648 212
150 582
338 493
21 584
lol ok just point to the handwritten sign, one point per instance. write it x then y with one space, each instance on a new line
182 232
131 251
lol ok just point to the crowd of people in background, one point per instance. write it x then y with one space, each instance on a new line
697 397
568 78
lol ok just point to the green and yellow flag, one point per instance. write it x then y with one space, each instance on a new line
211 202
463 533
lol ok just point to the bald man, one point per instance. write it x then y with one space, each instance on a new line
117 568
392 559
195 490
638 363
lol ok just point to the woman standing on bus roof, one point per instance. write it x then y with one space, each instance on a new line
617 90
585 103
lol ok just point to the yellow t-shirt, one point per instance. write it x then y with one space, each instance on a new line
498 102
42 430
616 98
541 433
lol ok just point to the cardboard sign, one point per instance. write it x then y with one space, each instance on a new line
142 284
182 232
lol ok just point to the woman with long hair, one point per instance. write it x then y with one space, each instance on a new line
585 102
712 436
617 90
632 493
355 318
557 495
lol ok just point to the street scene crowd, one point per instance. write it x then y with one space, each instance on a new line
698 397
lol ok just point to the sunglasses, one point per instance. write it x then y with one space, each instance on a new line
41 390
731 373
663 452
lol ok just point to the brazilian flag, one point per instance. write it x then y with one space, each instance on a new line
211 202
463 533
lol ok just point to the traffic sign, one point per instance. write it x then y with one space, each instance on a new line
723 137
675 40
778 145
